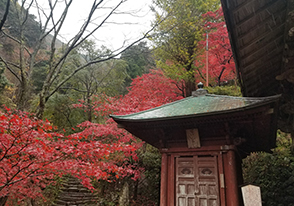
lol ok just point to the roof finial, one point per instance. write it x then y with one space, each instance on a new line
200 85
200 91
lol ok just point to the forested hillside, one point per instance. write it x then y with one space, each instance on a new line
56 98
31 30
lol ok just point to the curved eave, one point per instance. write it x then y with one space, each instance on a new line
121 119
259 119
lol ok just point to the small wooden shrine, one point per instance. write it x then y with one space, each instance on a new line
203 139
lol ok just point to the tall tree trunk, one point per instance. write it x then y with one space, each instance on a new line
292 145
41 106
135 197
3 200
220 76
190 86
124 199
22 96
89 109
43 95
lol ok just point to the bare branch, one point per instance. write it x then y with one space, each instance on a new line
5 14
73 43
101 60
53 42
27 12
10 69
16 40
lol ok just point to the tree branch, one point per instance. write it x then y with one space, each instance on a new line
10 69
5 14
16 40
99 60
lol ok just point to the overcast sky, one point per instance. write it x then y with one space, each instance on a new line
132 21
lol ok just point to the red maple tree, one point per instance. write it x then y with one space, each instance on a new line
220 59
146 92
27 154
31 154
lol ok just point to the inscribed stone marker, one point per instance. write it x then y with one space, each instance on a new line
251 195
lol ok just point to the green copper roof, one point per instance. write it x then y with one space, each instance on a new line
194 105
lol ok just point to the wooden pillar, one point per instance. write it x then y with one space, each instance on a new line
232 190
163 183
171 180
222 192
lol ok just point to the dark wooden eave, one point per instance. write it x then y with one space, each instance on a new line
262 38
262 42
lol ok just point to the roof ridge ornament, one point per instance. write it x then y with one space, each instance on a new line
200 91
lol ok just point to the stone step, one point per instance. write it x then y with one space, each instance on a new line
66 198
73 193
71 203
74 189
77 194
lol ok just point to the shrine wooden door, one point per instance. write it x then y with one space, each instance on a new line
197 181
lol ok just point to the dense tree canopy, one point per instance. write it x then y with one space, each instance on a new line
139 59
177 38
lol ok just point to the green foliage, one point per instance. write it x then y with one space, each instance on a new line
5 89
274 173
232 90
150 160
139 60
177 37
105 77
39 75
3 80
2 5
59 110
113 77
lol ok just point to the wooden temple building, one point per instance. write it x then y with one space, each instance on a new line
202 140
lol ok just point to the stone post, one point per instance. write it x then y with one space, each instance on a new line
251 195
124 199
